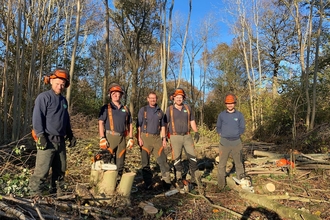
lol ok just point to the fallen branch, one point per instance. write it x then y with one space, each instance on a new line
289 184
262 200
10 212
217 206
283 211
296 198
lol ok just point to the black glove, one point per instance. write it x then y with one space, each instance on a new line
196 137
72 140
41 142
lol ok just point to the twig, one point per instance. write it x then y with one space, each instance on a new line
38 211
217 206
303 175
287 184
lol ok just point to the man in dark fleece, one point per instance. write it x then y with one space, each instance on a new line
51 124
230 127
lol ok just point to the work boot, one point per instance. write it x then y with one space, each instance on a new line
180 186
148 186
166 186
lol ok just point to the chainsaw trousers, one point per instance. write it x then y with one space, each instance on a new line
152 144
117 148
237 155
54 157
186 143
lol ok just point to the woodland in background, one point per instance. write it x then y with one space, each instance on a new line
277 63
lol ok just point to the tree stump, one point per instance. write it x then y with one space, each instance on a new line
107 183
125 185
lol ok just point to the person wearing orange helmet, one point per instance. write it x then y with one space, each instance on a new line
115 123
51 126
230 127
180 119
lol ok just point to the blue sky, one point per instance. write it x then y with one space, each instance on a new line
200 9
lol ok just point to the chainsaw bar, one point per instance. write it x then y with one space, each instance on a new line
100 165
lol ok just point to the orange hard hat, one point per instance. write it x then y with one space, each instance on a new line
114 87
178 91
61 74
230 99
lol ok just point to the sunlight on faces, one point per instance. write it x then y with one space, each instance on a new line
152 99
178 99
58 85
230 106
116 96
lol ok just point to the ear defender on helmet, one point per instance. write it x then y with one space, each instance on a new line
178 91
61 74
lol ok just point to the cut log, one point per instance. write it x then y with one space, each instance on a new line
281 210
269 154
107 184
262 200
266 188
126 184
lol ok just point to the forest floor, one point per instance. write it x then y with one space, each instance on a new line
308 189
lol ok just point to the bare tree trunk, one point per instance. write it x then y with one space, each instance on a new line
73 55
304 73
37 14
165 49
184 43
107 53
316 68
251 82
4 96
16 110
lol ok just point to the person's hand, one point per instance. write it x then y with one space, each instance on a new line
104 143
41 142
196 137
130 143
73 141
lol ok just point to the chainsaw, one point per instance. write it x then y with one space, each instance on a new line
102 161
245 183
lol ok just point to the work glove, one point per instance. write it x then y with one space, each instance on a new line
196 137
41 142
73 141
104 143
130 143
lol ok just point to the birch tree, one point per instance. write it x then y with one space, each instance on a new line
184 43
136 20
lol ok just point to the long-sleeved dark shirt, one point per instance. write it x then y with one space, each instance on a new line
230 125
154 121
50 115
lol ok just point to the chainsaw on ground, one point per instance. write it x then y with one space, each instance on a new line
245 183
102 161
